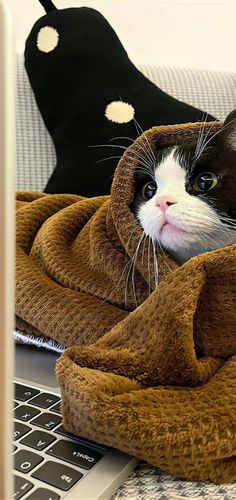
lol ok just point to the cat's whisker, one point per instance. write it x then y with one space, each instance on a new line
200 141
108 158
218 227
142 159
145 171
130 236
231 223
227 236
223 216
164 254
144 149
200 135
118 283
147 168
204 238
148 160
216 239
127 264
144 244
155 264
209 131
137 125
121 137
145 159
127 279
134 266
149 152
218 224
226 216
231 226
149 271
108 146
131 140
213 236
143 143
124 148
204 138
219 131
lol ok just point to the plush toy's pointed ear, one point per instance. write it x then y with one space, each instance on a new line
48 5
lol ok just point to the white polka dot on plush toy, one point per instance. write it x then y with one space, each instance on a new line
119 112
47 39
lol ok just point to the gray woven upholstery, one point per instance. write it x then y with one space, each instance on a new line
35 154
211 91
149 483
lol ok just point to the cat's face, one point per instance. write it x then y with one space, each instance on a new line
186 201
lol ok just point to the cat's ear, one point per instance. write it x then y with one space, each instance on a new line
228 133
230 117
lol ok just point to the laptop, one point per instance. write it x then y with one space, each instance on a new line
47 462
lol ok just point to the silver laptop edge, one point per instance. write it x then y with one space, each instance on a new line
7 183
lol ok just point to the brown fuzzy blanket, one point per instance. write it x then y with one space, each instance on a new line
149 370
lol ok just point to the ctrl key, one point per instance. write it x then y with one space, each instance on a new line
58 475
21 487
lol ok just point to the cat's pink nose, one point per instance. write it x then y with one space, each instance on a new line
164 202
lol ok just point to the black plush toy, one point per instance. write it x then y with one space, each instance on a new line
89 92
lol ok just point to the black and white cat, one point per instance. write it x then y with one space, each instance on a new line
185 200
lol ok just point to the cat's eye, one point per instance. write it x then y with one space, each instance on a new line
148 190
205 181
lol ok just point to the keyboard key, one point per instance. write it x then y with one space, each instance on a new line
38 440
43 494
15 404
61 430
75 454
25 460
21 486
25 413
58 475
20 430
45 400
23 393
47 421
56 408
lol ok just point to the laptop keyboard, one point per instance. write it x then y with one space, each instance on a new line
48 461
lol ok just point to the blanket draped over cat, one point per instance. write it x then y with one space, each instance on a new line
150 369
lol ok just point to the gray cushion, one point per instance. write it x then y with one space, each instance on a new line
149 483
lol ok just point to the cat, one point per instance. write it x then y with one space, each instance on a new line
185 199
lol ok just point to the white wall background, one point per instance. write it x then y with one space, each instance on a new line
190 33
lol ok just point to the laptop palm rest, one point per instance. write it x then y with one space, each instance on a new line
35 365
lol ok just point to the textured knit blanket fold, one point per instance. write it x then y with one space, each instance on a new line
150 367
